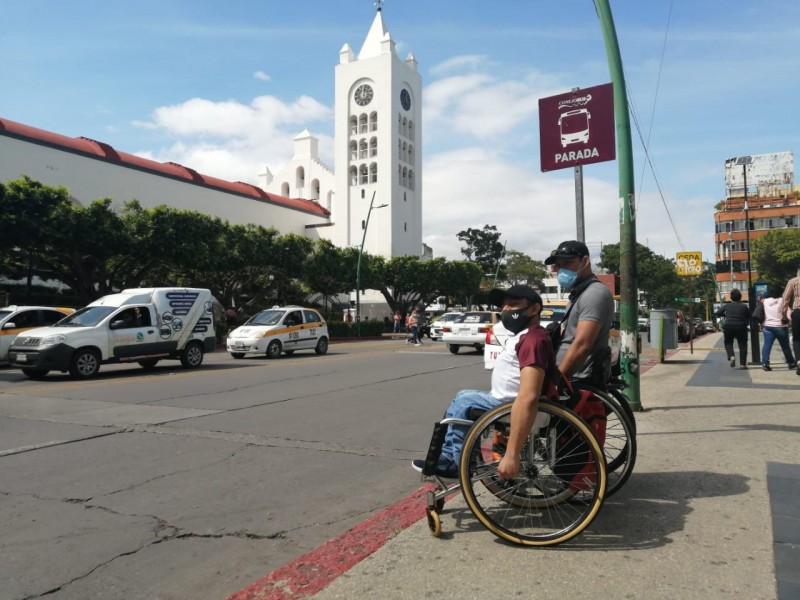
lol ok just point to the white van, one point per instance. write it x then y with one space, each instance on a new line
140 325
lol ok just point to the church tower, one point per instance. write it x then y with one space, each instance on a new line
378 137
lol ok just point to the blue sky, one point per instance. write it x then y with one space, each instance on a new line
224 87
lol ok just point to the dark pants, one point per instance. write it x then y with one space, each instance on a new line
740 335
796 332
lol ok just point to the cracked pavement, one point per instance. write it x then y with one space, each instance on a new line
175 484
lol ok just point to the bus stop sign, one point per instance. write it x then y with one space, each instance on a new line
577 128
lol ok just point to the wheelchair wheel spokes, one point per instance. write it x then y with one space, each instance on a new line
560 487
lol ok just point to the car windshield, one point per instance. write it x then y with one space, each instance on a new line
266 317
87 317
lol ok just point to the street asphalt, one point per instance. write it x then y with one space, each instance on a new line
712 509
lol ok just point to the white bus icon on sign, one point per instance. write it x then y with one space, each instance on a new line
574 127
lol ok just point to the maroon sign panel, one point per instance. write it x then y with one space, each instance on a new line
577 128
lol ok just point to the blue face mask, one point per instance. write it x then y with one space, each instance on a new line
567 278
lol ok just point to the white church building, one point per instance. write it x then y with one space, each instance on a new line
377 108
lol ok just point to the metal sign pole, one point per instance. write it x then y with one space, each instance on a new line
579 204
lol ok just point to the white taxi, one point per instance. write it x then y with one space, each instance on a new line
16 319
280 330
469 330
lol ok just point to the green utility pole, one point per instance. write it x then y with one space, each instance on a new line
627 220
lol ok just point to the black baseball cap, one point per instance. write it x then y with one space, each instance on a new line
497 296
568 249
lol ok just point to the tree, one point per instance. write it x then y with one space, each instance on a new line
656 274
522 269
776 255
482 247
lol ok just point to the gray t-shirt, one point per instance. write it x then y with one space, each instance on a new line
595 303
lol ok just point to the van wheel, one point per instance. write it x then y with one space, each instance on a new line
453 348
35 373
274 349
85 363
237 354
148 363
192 356
478 348
322 346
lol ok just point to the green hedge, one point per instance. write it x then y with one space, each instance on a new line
340 329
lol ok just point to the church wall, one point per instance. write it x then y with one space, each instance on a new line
89 179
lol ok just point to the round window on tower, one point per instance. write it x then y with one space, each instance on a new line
405 99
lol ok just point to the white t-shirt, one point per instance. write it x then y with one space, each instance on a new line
530 347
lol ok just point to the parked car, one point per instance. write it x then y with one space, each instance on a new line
280 330
16 319
438 323
684 331
552 311
709 326
699 328
644 323
469 330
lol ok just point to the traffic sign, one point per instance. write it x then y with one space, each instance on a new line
577 128
689 263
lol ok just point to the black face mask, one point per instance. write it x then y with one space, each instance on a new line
515 320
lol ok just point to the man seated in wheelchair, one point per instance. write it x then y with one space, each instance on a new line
520 374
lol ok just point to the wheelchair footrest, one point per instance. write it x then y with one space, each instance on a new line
435 449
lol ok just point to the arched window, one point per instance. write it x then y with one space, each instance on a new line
353 125
315 189
399 123
285 189
353 150
373 173
329 200
353 176
399 173
362 148
373 121
363 174
404 128
404 178
362 123
400 148
411 153
300 178
373 146
411 179
404 151
410 129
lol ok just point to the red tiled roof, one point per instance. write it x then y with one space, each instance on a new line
102 151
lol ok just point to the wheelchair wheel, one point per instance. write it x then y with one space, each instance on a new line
434 522
561 485
620 445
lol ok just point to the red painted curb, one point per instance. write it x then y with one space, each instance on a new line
313 571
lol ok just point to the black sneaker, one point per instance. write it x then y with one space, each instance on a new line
766 367
732 361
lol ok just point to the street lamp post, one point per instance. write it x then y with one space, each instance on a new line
751 297
358 265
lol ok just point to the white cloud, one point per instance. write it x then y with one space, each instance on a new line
261 75
232 140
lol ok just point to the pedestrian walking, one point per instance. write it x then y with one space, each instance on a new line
737 318
398 321
791 300
771 314
413 326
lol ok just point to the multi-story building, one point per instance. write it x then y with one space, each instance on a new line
768 208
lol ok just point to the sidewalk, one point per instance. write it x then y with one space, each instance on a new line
717 465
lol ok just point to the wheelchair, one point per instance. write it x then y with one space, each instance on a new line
565 472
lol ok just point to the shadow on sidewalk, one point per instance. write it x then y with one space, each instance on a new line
644 514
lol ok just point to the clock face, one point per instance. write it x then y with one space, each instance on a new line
405 99
363 95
